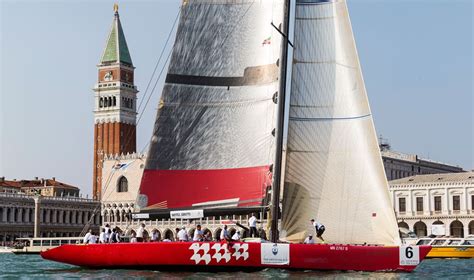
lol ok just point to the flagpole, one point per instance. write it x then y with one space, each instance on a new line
277 169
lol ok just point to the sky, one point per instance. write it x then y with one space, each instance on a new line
416 57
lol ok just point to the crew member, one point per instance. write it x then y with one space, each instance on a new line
253 225
183 235
225 234
86 238
102 236
198 234
140 232
236 236
92 239
309 240
114 237
108 232
319 229
154 235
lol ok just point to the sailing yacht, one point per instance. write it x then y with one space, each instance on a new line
218 145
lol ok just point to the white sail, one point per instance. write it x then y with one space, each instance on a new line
213 141
334 172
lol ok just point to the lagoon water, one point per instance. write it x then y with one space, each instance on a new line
34 267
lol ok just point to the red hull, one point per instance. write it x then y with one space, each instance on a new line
184 188
237 255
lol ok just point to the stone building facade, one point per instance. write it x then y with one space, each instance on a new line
59 216
445 200
120 186
399 165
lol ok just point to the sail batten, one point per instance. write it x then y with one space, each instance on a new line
334 171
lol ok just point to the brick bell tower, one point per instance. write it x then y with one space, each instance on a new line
115 97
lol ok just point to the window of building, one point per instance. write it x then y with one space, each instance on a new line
456 202
472 202
122 185
419 204
437 203
401 204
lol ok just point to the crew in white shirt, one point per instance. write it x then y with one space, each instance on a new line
236 236
86 238
224 234
140 232
92 239
102 236
253 225
309 240
108 232
134 238
198 234
182 235
319 229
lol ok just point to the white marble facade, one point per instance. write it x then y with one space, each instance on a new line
446 200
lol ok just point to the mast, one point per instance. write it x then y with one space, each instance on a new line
280 123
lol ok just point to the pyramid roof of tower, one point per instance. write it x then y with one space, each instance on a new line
116 49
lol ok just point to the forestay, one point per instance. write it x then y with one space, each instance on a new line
334 171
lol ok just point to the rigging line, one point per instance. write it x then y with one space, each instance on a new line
154 86
159 59
215 35
283 35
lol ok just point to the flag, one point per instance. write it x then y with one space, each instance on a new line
122 166
267 41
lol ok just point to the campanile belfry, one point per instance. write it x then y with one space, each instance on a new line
115 97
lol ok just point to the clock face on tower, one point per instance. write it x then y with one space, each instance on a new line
108 76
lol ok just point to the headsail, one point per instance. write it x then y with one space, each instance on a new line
213 144
334 171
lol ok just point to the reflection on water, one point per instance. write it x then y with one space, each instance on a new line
33 266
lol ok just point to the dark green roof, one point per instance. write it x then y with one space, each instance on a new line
116 49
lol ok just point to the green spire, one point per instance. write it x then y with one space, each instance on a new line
116 49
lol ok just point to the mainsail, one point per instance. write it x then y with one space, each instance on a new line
334 172
212 144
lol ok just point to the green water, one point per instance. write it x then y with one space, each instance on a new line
34 267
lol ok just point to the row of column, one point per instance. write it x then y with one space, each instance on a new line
26 215
110 216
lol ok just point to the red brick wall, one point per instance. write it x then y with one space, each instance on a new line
118 75
110 138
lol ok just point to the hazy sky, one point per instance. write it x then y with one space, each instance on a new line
416 59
